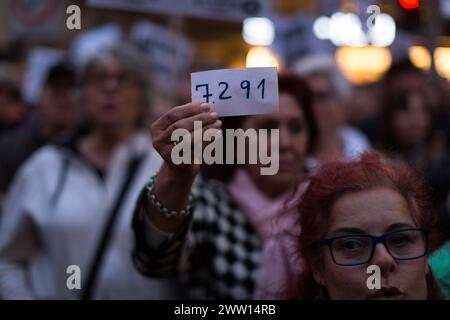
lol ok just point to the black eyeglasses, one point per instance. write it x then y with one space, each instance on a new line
404 244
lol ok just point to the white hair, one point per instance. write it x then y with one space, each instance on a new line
130 58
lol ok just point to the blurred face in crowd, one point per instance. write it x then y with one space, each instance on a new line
114 97
407 80
411 123
375 212
326 106
12 110
58 105
362 104
293 135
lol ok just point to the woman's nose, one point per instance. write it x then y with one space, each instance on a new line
112 83
383 259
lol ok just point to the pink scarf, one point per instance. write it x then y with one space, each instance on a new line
275 221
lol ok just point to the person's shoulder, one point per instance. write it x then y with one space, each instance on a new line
43 159
48 152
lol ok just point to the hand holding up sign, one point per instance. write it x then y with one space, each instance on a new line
233 92
181 117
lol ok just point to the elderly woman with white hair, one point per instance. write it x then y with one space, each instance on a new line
336 140
65 232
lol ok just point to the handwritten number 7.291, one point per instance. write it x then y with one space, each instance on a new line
244 85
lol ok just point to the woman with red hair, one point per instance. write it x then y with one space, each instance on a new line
362 213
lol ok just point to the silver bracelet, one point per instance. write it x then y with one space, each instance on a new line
160 208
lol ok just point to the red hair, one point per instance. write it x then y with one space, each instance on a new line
337 178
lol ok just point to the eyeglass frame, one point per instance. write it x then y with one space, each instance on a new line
375 241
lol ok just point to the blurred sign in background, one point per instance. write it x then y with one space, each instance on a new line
170 54
234 10
365 36
30 18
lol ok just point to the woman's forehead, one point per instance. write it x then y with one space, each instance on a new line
371 210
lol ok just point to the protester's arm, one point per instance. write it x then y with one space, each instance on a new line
172 190
174 182
156 253
159 239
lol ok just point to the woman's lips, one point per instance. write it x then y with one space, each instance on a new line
387 293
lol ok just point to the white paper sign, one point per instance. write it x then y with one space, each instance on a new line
233 92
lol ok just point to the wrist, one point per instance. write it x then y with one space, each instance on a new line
176 175
160 208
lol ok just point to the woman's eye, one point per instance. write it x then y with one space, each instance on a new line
352 245
399 240
349 245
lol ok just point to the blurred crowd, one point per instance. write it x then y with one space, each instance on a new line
73 165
